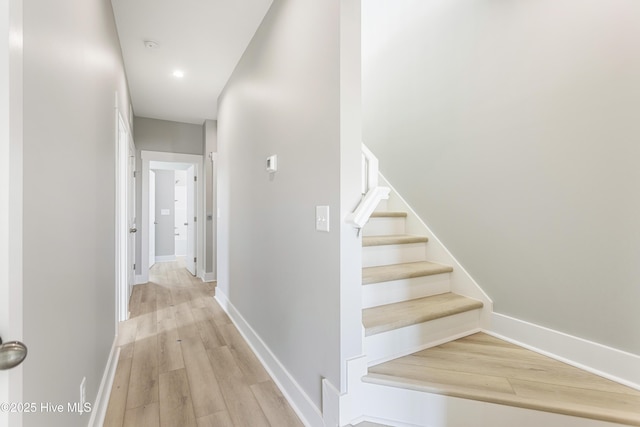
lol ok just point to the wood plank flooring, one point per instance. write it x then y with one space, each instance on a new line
183 363
484 368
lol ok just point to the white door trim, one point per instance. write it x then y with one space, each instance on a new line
158 156
152 218
122 143
11 195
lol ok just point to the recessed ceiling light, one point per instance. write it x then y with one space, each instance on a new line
150 44
178 74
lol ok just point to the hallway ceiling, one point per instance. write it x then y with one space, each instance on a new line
203 38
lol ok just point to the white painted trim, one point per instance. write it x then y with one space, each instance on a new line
330 404
461 281
295 395
352 402
209 277
159 156
607 362
140 279
402 407
165 258
396 343
99 408
11 197
121 220
361 215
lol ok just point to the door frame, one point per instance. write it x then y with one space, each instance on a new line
197 161
11 197
123 146
152 218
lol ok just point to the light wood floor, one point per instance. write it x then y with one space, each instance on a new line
484 368
183 363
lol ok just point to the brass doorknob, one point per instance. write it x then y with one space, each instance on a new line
12 354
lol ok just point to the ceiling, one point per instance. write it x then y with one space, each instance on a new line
203 38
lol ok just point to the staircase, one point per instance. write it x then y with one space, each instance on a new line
408 304
426 359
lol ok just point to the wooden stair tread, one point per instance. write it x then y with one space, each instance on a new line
397 315
396 239
484 368
406 270
388 214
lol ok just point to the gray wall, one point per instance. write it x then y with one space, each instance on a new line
72 69
165 199
282 275
170 137
166 136
512 129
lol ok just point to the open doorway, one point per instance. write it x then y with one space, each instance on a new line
172 213
172 207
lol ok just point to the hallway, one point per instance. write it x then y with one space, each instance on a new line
183 363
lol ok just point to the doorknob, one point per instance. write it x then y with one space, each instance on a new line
12 354
133 230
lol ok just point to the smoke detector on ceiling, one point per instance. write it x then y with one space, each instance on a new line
150 44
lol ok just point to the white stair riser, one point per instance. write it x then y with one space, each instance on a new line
403 341
384 226
393 254
376 294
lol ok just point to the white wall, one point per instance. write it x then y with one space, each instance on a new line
512 129
280 274
72 70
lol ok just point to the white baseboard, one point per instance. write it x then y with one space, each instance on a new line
330 404
140 279
99 408
295 395
209 277
353 402
607 362
165 258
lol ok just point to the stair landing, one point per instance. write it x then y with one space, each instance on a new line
481 367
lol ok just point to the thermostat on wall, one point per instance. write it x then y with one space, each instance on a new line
272 163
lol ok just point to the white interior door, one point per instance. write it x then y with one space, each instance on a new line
191 221
10 287
152 218
11 312
131 218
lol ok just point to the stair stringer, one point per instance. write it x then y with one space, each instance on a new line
386 404
461 281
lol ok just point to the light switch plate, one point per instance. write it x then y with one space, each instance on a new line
322 218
